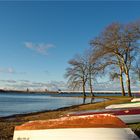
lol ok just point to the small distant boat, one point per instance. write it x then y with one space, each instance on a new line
131 115
125 105
91 127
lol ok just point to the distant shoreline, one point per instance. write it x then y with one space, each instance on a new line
59 92
22 91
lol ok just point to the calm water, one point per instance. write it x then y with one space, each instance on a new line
17 103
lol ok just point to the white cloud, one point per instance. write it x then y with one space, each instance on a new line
55 85
10 70
7 70
31 85
41 48
8 81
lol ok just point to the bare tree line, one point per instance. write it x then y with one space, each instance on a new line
114 51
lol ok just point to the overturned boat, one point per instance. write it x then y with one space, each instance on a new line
129 115
124 105
85 127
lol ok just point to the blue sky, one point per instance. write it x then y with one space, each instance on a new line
37 38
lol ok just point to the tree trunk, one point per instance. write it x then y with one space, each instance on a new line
83 87
84 100
121 83
128 84
90 84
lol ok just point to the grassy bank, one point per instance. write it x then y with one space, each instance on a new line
7 124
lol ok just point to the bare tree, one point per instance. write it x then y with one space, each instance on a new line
118 75
91 70
82 72
96 68
129 43
91 73
120 43
107 63
77 73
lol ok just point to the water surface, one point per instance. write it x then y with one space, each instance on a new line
19 103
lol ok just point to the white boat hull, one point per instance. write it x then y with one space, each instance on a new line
76 133
126 105
88 127
130 118
131 115
135 100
